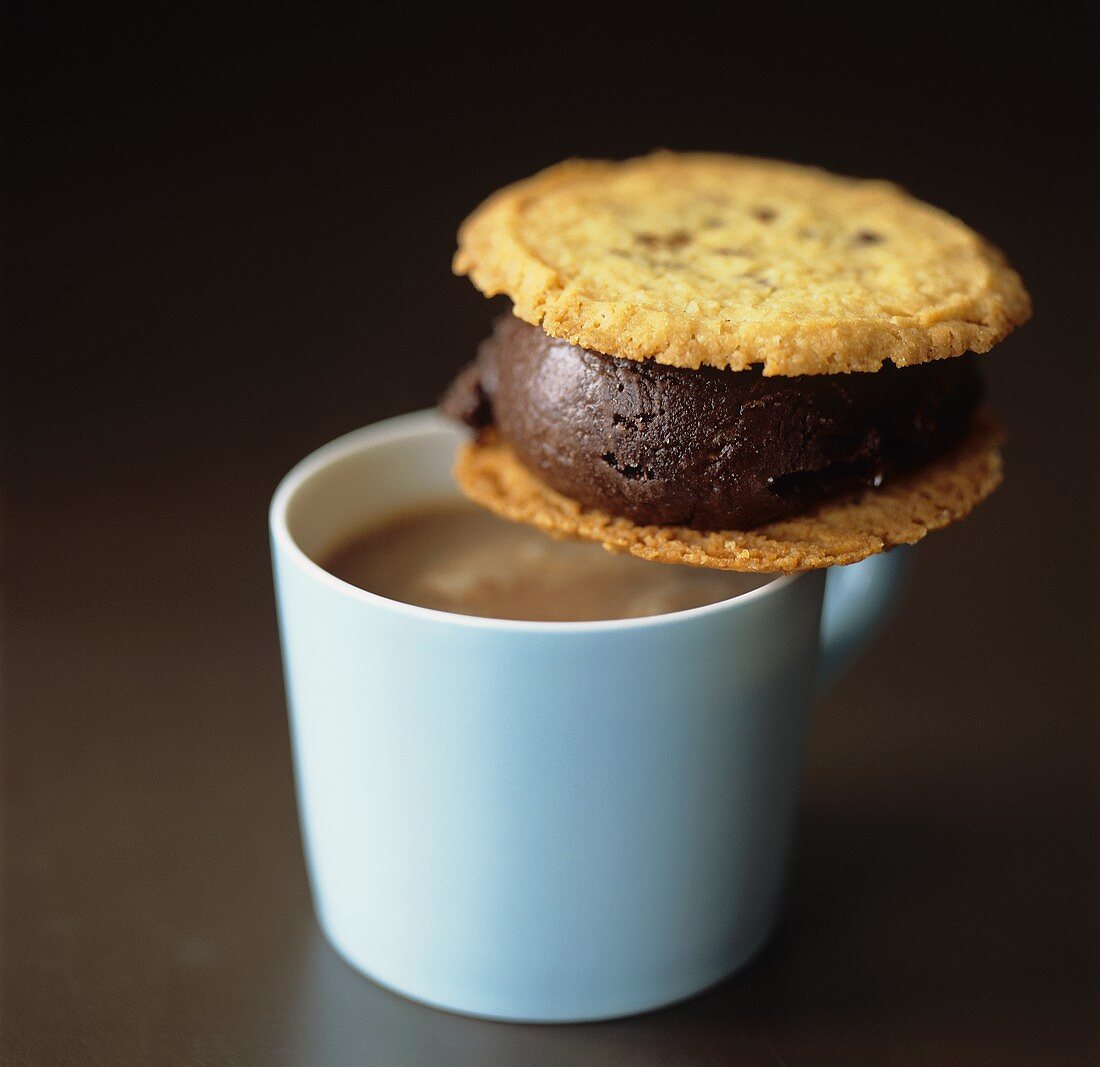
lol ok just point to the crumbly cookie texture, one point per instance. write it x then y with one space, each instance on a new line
728 261
837 532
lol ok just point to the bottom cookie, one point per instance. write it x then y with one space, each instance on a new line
840 531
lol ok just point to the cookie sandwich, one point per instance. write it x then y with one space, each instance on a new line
730 362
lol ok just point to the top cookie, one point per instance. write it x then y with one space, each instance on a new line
693 259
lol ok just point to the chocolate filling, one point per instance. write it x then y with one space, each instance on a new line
705 448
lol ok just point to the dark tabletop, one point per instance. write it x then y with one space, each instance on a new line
228 244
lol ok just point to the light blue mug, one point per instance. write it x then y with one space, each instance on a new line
541 822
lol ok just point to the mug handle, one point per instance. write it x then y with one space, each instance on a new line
859 598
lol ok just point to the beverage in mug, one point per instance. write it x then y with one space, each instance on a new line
454 556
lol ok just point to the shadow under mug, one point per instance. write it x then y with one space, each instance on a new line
542 822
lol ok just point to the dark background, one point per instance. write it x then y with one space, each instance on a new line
228 241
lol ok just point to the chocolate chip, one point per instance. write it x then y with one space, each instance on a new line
725 251
764 214
676 239
869 237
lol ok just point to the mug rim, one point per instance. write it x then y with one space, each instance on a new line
415 424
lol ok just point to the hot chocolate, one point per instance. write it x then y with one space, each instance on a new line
459 558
